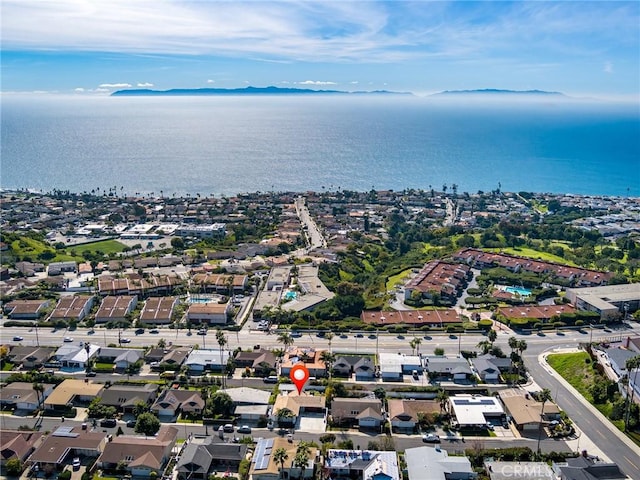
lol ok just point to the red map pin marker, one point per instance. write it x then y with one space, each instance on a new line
299 376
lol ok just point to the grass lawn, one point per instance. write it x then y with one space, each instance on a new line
104 246
531 253
581 376
398 279
572 367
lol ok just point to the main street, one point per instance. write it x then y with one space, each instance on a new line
592 426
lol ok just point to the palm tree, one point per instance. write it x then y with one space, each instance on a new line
632 363
492 335
544 396
280 456
301 459
329 336
513 344
443 398
222 341
39 389
415 345
286 339
328 358
485 346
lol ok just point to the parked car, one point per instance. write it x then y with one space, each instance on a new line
244 429
490 426
76 463
431 438
227 428
108 422
67 339
270 379
90 374
131 423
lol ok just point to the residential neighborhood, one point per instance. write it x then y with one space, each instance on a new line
172 356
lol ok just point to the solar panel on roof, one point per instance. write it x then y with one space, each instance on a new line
64 432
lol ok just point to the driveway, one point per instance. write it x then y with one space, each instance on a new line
311 423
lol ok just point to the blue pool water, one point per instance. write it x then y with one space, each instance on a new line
519 290
290 296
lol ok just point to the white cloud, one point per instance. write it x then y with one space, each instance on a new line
101 90
355 82
316 82
211 81
145 85
608 67
79 90
115 85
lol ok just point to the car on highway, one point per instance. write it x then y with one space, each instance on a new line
244 429
125 340
18 338
372 336
431 438
359 335
90 374
67 339
155 330
202 332
139 331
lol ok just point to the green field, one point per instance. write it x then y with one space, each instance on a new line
398 279
531 253
104 246
573 368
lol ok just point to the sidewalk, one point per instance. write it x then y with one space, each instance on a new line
582 442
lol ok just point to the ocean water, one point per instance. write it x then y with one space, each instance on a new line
229 145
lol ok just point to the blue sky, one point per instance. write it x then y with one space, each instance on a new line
581 48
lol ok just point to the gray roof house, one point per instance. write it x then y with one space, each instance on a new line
125 397
362 366
618 358
201 455
586 467
457 368
365 412
427 463
489 367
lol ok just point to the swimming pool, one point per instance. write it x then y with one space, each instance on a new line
290 295
523 292
201 299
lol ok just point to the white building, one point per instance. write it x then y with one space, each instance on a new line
427 463
475 410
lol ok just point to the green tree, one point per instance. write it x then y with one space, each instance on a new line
285 339
147 424
140 407
13 467
221 403
280 456
492 335
544 396
415 345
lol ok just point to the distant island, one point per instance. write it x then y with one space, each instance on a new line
247 91
495 91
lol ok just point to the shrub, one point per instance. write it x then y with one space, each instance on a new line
66 475
485 324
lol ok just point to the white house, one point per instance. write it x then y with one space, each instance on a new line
199 361
75 357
